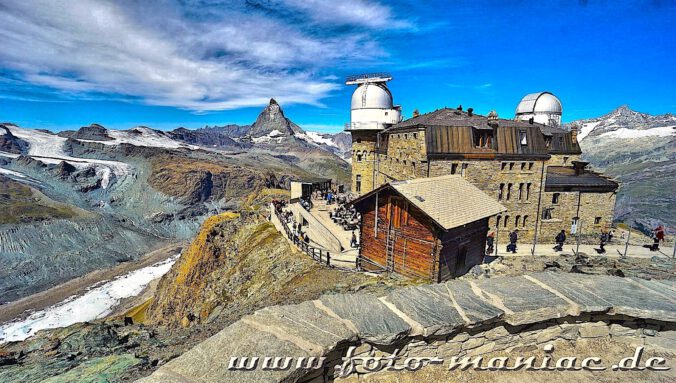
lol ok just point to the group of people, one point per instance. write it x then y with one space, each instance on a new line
605 237
288 219
345 216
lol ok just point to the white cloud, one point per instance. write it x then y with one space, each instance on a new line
349 12
191 54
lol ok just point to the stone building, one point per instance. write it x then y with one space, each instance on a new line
533 169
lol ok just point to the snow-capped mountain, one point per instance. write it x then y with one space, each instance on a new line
639 150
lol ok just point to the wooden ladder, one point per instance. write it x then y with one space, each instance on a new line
389 249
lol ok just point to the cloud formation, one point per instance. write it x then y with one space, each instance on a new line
194 54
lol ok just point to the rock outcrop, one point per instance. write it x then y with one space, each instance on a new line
456 318
272 121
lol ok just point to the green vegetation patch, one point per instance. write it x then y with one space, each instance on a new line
18 204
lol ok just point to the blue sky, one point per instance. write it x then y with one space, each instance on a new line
164 64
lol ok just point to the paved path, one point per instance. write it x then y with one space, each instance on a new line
321 211
613 250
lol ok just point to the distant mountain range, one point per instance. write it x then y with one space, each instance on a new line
96 196
639 150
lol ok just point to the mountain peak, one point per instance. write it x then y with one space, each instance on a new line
272 120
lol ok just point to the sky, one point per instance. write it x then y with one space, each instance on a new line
191 63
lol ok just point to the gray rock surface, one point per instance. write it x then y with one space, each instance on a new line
374 321
328 326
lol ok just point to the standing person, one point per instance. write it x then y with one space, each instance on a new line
489 243
603 239
657 237
353 241
513 237
560 240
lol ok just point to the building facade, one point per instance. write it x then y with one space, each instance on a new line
527 166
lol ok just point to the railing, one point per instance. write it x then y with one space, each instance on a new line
319 255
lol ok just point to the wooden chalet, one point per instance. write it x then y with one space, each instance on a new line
429 228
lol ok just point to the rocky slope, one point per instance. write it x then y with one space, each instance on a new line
639 150
138 189
236 264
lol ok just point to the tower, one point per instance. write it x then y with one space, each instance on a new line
371 112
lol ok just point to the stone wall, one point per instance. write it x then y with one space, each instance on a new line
455 318
563 159
363 160
596 213
488 176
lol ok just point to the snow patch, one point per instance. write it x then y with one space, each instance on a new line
625 133
586 129
96 303
316 138
275 135
142 136
12 173
48 148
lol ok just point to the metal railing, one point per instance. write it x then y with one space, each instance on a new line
319 255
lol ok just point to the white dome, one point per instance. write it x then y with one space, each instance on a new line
371 96
543 102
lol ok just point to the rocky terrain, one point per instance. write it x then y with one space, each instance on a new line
639 150
237 263
82 200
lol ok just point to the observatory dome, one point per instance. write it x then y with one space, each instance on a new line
372 96
542 102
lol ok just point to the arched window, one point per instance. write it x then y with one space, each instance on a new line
525 220
501 191
506 220
509 191
359 157
555 198
516 221
497 221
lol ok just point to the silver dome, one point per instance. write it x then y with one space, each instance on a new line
371 96
542 102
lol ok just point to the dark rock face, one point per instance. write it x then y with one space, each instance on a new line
210 137
93 132
64 170
272 119
10 143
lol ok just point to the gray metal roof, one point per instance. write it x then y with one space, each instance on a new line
454 117
559 177
541 102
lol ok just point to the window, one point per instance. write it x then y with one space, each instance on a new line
454 168
359 157
516 221
523 166
357 187
483 138
511 166
530 166
506 219
406 136
509 191
528 191
415 136
503 166
523 138
565 160
555 198
497 221
404 162
548 142
463 169
501 191
525 220
359 140
520 191
547 213
597 220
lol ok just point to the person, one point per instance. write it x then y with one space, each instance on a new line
307 238
611 234
657 237
353 241
603 239
489 242
513 237
560 239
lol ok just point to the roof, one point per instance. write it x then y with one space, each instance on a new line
453 117
541 102
450 201
564 177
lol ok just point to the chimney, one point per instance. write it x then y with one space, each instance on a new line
416 113
459 107
579 167
574 130
493 118
470 111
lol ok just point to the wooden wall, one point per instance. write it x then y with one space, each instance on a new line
471 237
414 243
